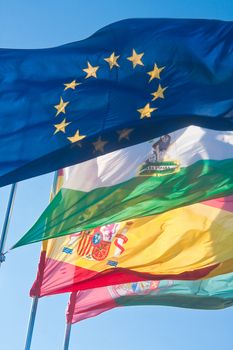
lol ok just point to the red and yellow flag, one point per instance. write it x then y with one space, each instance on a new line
187 243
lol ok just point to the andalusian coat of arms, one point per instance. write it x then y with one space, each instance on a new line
157 162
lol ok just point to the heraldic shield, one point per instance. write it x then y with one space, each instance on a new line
95 244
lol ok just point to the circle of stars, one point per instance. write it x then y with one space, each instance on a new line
91 71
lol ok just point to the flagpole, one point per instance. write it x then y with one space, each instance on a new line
67 336
31 323
7 222
35 300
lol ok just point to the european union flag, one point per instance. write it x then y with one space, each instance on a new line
129 82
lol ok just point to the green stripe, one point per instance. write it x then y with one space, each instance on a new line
210 294
72 211
184 301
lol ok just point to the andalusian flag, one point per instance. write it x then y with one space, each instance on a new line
185 243
210 294
128 83
180 168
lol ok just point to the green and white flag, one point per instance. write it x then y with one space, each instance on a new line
186 166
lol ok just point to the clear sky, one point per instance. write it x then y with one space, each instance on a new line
47 23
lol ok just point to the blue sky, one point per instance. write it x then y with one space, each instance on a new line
47 23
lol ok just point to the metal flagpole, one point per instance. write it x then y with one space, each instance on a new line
31 323
35 300
67 336
7 222
69 319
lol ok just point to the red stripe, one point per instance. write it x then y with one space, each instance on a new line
81 245
40 274
78 248
88 249
61 277
86 246
225 203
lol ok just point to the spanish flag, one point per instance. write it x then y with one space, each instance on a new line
189 243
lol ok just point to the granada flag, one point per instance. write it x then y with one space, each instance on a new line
189 165
186 243
210 294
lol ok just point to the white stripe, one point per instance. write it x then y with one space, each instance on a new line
187 146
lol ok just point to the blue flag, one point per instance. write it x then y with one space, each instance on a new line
129 82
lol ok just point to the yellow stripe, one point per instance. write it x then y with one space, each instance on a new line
184 239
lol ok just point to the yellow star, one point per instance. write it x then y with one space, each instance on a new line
124 134
61 127
99 145
61 107
159 93
146 111
112 60
71 85
91 71
155 73
77 137
136 58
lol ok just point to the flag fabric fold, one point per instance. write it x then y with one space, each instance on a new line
129 82
187 243
210 294
187 166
